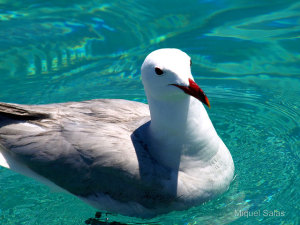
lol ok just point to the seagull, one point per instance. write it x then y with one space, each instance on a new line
123 156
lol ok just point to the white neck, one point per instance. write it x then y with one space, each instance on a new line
180 129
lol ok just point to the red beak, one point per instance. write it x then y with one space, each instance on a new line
194 90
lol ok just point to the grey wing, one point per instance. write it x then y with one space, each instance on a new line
85 147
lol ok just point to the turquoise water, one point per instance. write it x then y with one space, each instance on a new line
246 57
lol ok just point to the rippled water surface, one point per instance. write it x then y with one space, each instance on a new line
246 57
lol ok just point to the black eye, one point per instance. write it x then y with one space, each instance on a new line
190 62
158 71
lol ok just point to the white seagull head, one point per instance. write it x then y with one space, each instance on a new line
166 75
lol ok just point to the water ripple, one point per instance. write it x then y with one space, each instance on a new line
245 57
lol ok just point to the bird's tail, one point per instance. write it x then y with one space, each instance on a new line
3 160
12 113
20 112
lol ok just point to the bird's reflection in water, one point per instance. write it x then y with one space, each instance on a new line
100 219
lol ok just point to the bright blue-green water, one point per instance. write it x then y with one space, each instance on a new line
246 57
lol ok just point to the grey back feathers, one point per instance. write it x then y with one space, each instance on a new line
85 147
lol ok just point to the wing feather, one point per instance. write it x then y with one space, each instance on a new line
84 147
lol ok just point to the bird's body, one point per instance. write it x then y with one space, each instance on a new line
112 155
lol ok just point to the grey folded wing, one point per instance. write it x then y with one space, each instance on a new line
84 147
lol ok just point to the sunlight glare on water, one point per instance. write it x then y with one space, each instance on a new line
246 57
